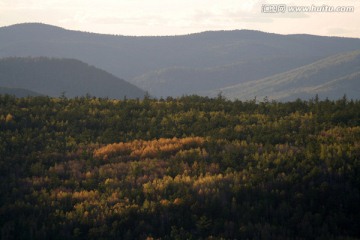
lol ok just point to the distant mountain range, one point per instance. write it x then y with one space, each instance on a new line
203 63
332 78
176 81
54 77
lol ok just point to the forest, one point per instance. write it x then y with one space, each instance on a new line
179 168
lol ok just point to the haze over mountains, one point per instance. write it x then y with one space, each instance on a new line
331 77
204 63
55 77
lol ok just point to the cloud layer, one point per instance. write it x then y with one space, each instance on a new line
170 17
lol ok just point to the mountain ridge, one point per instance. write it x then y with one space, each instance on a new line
53 77
136 59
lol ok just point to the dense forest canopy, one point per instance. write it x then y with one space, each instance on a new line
179 168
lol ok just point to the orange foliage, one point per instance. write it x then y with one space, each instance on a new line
147 149
178 201
85 195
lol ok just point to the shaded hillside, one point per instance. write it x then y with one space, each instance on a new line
331 77
135 57
177 81
18 92
56 76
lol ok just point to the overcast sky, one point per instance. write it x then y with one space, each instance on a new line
170 17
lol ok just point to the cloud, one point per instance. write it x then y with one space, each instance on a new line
339 31
163 17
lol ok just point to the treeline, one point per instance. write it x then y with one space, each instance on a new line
179 168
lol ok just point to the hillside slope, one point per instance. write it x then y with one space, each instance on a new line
56 76
331 77
177 81
18 92
185 168
136 59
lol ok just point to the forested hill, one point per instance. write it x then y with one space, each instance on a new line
18 92
331 78
183 168
176 65
54 77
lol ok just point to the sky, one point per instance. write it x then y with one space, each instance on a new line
170 17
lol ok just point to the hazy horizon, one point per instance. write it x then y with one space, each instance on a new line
168 18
